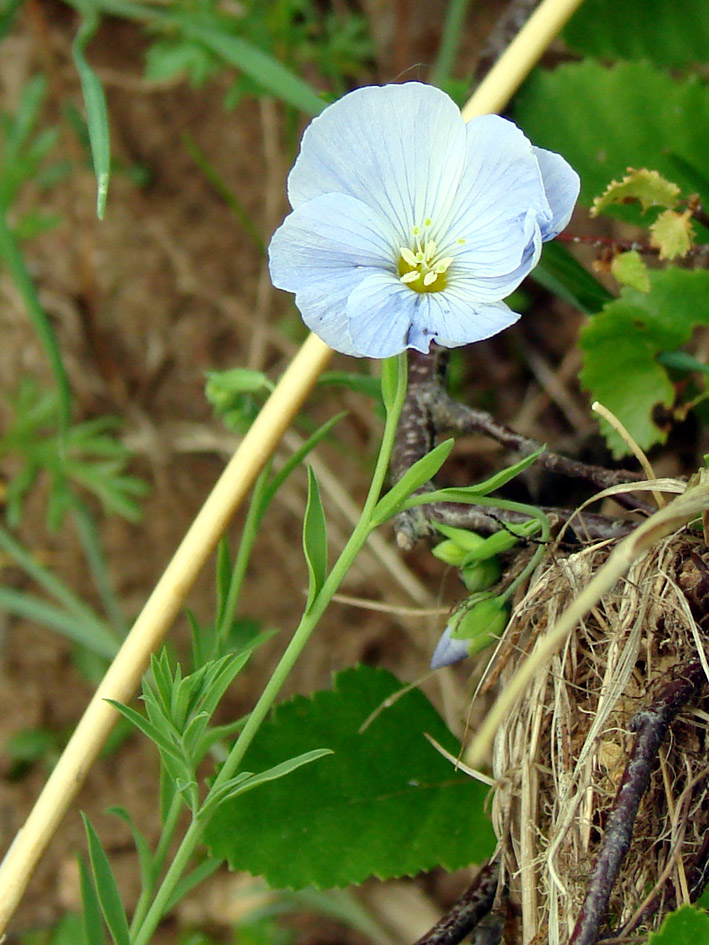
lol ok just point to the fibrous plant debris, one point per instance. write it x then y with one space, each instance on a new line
602 803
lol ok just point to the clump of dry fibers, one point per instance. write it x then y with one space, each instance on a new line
563 753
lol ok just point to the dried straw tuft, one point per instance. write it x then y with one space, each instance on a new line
561 753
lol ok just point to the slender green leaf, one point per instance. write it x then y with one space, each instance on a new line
267 71
106 887
504 476
145 856
420 473
389 381
239 784
89 634
166 747
314 539
10 252
91 911
95 102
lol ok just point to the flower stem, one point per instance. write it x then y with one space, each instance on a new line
293 650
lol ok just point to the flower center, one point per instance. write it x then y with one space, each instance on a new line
422 268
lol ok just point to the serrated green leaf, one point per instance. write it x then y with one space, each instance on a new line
672 233
686 926
622 343
417 475
314 539
648 187
630 269
91 911
604 120
667 33
106 887
384 804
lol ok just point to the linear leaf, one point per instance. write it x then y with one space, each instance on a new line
314 539
420 473
106 887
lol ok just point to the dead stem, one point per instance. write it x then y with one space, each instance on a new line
467 911
428 410
651 726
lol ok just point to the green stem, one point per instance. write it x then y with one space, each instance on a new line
294 649
166 837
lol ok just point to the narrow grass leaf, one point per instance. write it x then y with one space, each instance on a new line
420 473
12 255
95 102
106 887
145 857
91 911
314 539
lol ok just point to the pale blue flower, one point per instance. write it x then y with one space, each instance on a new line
409 226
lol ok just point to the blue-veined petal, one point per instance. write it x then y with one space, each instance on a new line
501 181
380 311
561 184
490 283
334 232
323 306
457 317
399 148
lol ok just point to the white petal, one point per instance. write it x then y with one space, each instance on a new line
455 317
324 311
398 148
501 184
496 282
330 233
380 311
448 650
561 184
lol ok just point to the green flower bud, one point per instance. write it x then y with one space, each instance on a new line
478 577
482 624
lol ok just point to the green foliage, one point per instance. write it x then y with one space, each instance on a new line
606 119
686 926
106 888
87 455
667 33
177 714
236 395
384 804
416 476
314 540
622 343
95 102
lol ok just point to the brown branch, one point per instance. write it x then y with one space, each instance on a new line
467 911
651 726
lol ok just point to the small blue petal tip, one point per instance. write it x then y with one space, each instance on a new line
448 650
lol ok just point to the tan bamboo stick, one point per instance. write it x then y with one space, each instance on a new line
124 674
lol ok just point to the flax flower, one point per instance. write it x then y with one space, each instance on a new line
409 226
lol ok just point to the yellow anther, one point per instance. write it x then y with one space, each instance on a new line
430 278
408 256
430 250
409 277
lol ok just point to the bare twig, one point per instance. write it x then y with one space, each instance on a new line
651 726
467 911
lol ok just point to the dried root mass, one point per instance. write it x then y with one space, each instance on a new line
622 707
